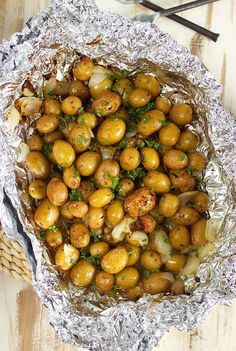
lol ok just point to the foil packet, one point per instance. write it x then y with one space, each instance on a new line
51 42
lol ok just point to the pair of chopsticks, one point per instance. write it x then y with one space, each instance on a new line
170 13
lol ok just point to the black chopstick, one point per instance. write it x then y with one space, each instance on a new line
207 33
185 7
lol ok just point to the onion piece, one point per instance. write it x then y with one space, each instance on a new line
160 242
121 229
204 251
169 276
139 237
13 118
191 266
22 151
178 287
107 152
184 198
29 105
212 228
99 74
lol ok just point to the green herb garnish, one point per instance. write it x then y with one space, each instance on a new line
173 251
122 145
152 143
93 146
42 234
95 235
47 149
182 156
72 261
50 93
189 170
165 123
136 173
85 255
124 73
166 239
69 118
75 195
138 113
80 111
115 183
130 252
53 228
99 112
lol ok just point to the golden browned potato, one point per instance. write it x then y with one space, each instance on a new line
139 98
78 209
38 164
127 278
197 231
86 189
176 262
146 223
54 238
169 134
115 212
157 181
181 180
181 114
83 69
196 161
104 281
57 192
65 212
129 158
38 189
150 158
52 106
151 122
83 273
100 197
80 138
47 123
111 131
124 88
149 83
53 136
88 162
175 159
125 187
106 104
133 253
78 88
99 248
71 177
168 205
179 237
106 172
115 260
185 215
156 283
95 218
79 235
66 256
101 88
140 202
151 259
35 142
46 214
135 293
64 153
188 140
163 104
200 201
71 105
87 119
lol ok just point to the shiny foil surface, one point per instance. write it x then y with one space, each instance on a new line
51 42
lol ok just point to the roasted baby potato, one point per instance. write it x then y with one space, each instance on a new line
124 88
87 119
151 259
83 69
115 260
133 253
63 153
157 181
127 278
71 177
169 134
80 138
163 104
185 215
79 235
149 83
179 237
46 214
126 186
181 114
99 248
130 159
54 238
57 192
38 189
114 213
106 104
88 162
151 122
146 223
181 180
156 283
140 202
168 205
107 171
66 256
78 88
83 273
175 159
197 232
38 165
95 218
150 158
187 141
111 131
35 142
104 281
100 197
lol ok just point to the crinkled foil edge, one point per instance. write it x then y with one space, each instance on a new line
123 325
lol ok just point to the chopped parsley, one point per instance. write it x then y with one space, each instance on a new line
72 261
80 111
173 251
47 149
147 119
93 146
53 228
152 143
82 139
99 112
122 145
189 170
75 195
182 156
136 173
148 272
145 241
165 123
50 93
42 235
69 118
85 255
95 235
125 73
130 252
115 183
81 121
138 113
166 239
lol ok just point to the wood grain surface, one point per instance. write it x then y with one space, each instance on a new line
24 322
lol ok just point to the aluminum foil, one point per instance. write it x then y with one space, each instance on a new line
51 42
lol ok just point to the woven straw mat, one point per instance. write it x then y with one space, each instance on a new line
12 259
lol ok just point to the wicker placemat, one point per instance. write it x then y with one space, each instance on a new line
12 259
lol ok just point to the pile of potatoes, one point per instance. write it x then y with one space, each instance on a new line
115 180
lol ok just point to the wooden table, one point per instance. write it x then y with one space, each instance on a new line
23 320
